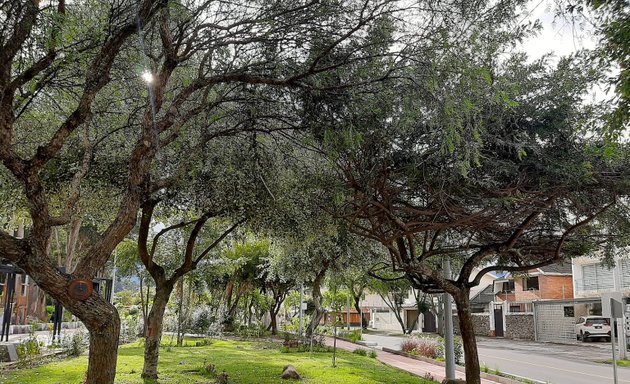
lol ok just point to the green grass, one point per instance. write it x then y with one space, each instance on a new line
245 362
620 363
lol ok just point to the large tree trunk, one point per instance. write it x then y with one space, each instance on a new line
104 333
154 332
98 315
467 331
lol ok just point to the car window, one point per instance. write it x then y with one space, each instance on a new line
598 321
580 320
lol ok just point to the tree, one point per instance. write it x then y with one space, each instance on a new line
69 74
167 278
611 21
393 291
481 161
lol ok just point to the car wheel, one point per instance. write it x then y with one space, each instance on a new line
582 337
577 336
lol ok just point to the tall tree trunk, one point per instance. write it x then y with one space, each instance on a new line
154 331
317 300
466 328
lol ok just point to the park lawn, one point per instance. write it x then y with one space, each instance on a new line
244 362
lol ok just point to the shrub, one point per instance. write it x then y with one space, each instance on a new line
432 347
372 354
223 378
27 349
408 345
429 348
75 344
353 336
360 352
128 330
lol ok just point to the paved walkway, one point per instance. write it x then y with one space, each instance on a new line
416 367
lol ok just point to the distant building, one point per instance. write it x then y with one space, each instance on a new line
29 301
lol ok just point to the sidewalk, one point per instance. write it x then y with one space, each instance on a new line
416 367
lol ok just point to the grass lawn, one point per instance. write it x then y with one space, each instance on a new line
244 362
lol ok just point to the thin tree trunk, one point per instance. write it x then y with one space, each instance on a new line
466 328
143 308
273 325
357 307
154 332
180 312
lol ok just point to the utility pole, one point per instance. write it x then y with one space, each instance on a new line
114 279
449 346
348 311
301 315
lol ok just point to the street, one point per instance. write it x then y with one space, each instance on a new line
546 362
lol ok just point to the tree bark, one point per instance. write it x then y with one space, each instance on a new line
104 334
143 308
154 332
467 331
317 300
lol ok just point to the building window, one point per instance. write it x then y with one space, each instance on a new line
24 286
508 287
531 284
569 311
596 277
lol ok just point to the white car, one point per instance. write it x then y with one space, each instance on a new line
591 327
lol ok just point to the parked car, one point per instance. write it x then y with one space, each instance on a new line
592 327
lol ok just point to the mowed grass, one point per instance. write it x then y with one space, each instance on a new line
244 362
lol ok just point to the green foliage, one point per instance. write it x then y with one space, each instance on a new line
75 344
360 352
432 347
354 335
27 350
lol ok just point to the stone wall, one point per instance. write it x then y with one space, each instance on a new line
519 326
481 324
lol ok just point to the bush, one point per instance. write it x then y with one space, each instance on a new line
408 345
372 354
360 352
202 320
431 347
28 349
75 344
128 330
353 336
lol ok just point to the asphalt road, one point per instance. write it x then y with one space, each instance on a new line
546 362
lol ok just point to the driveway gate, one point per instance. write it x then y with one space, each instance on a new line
555 319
